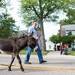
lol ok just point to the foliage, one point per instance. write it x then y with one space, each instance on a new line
36 9
1 3
7 26
55 39
70 14
70 17
64 39
68 39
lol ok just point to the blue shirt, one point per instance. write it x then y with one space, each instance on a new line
32 30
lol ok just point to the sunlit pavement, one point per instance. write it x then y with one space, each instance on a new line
56 64
30 72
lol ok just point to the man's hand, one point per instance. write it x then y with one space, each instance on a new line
36 48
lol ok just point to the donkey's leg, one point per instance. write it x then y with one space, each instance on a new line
19 60
13 57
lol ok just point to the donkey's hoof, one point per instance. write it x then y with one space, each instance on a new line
9 70
22 69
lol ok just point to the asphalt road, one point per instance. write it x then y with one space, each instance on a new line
35 72
56 65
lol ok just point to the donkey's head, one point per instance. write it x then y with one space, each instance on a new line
25 41
32 41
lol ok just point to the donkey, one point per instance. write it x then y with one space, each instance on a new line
13 46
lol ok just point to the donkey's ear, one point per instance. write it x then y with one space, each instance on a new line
23 35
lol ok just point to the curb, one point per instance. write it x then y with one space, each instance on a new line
49 68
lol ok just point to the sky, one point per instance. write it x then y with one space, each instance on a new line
50 28
14 12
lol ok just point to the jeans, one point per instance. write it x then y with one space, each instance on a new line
28 53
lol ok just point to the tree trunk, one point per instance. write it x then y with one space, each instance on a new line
42 35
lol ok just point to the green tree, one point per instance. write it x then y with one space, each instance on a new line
68 39
55 39
1 3
42 10
70 14
64 39
7 26
70 17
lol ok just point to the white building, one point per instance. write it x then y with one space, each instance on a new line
49 45
66 29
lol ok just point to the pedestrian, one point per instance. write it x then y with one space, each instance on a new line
61 49
32 31
66 49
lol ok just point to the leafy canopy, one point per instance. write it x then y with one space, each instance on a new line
42 9
7 26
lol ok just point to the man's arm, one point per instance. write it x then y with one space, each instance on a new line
30 31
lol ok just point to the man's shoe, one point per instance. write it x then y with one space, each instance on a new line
43 61
28 63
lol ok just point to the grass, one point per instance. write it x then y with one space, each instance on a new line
34 53
72 53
